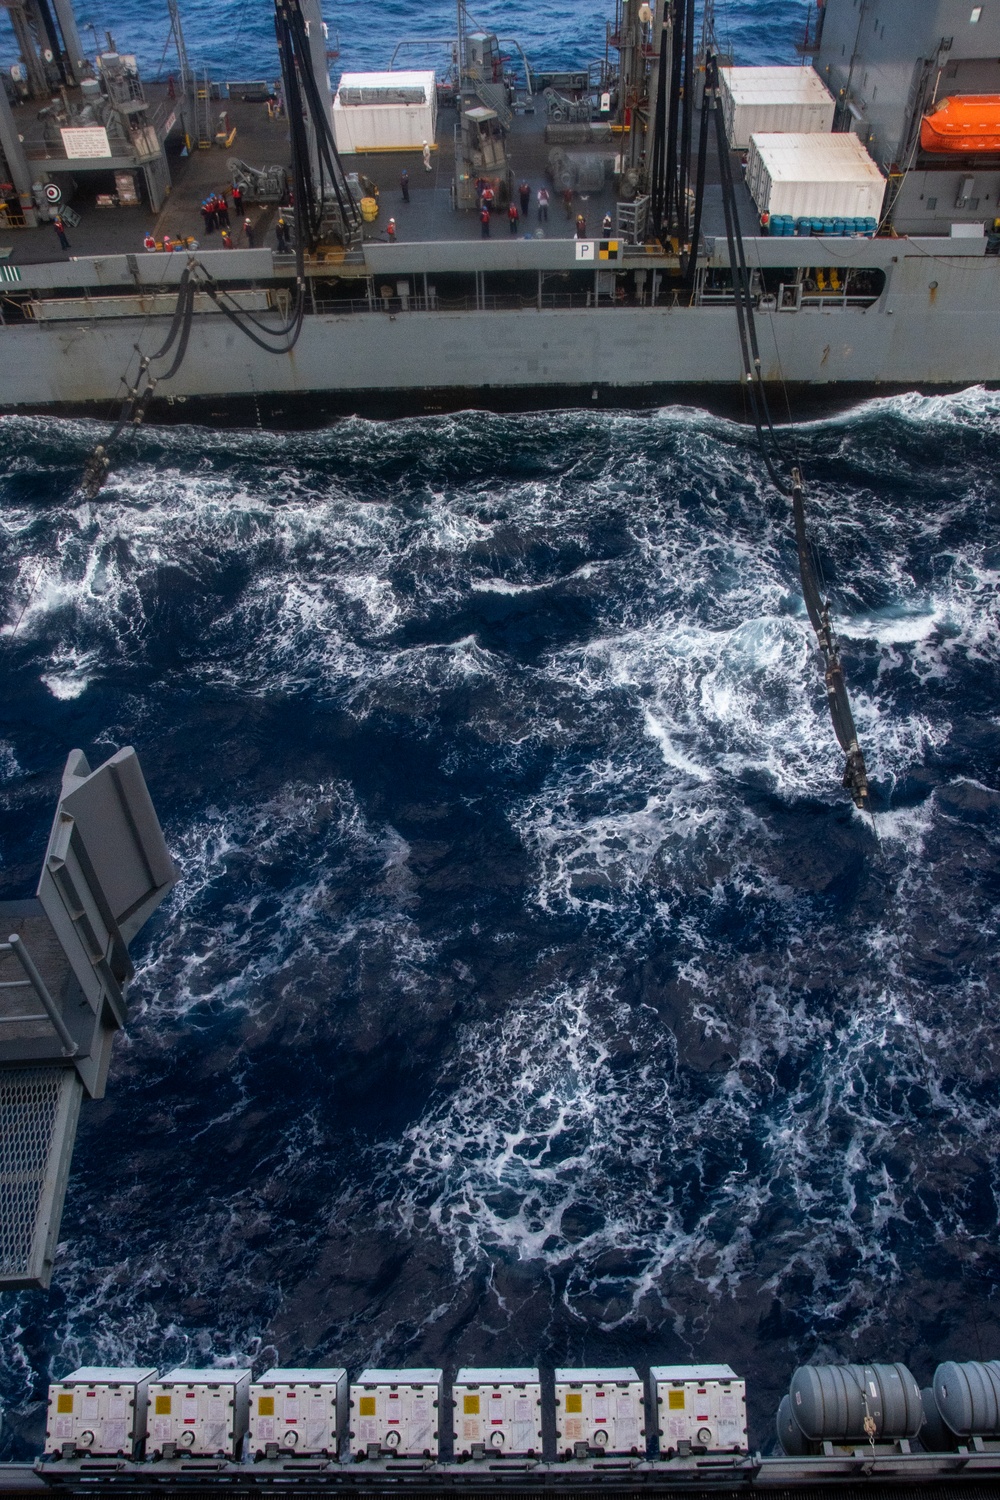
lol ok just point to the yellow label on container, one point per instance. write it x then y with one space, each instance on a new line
675 1401
366 1406
265 1406
574 1401
470 1406
64 1401
163 1406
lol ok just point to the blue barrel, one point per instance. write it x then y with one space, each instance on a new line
803 226
968 1397
838 227
855 1403
817 226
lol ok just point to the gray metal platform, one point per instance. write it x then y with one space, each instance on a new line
39 1108
64 971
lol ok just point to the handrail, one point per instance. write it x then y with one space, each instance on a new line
15 946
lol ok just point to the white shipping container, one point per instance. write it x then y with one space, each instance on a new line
762 100
369 115
396 1411
703 1407
98 1409
295 1411
498 1411
814 176
599 1410
201 1412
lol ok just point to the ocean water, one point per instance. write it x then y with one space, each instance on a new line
235 38
532 991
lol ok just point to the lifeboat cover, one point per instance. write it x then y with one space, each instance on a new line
963 124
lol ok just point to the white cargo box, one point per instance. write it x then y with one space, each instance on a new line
98 1409
756 100
497 1411
202 1412
296 1411
814 176
385 111
395 1411
599 1411
699 1408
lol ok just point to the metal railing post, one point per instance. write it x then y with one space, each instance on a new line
20 952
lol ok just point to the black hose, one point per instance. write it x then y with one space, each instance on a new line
699 196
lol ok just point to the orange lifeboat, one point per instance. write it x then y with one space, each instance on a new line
963 125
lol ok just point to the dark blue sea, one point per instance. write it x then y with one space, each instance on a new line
532 990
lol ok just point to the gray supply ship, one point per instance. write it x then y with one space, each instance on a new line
861 189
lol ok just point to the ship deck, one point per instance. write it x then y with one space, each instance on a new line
263 141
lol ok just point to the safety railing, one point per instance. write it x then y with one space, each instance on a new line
549 301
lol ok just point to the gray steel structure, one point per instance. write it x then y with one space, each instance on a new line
936 321
64 971
922 309
887 62
884 1469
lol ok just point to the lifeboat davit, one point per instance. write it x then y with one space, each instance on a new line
963 125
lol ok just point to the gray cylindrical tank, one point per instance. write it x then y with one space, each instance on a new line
791 1439
832 1402
935 1435
968 1397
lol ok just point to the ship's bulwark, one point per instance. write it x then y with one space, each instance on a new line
531 989
936 323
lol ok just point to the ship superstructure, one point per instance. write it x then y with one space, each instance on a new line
622 291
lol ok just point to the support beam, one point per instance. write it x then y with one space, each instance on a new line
13 150
312 14
75 55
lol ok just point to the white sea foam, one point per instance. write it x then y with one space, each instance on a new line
766 1041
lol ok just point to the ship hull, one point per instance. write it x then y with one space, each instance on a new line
936 325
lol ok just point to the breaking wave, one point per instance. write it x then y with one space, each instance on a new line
532 988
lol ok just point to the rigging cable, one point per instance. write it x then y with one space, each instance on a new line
817 608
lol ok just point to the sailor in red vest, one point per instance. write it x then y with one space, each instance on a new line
513 216
149 242
765 223
484 219
390 229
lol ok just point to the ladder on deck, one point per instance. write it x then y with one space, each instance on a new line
203 112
